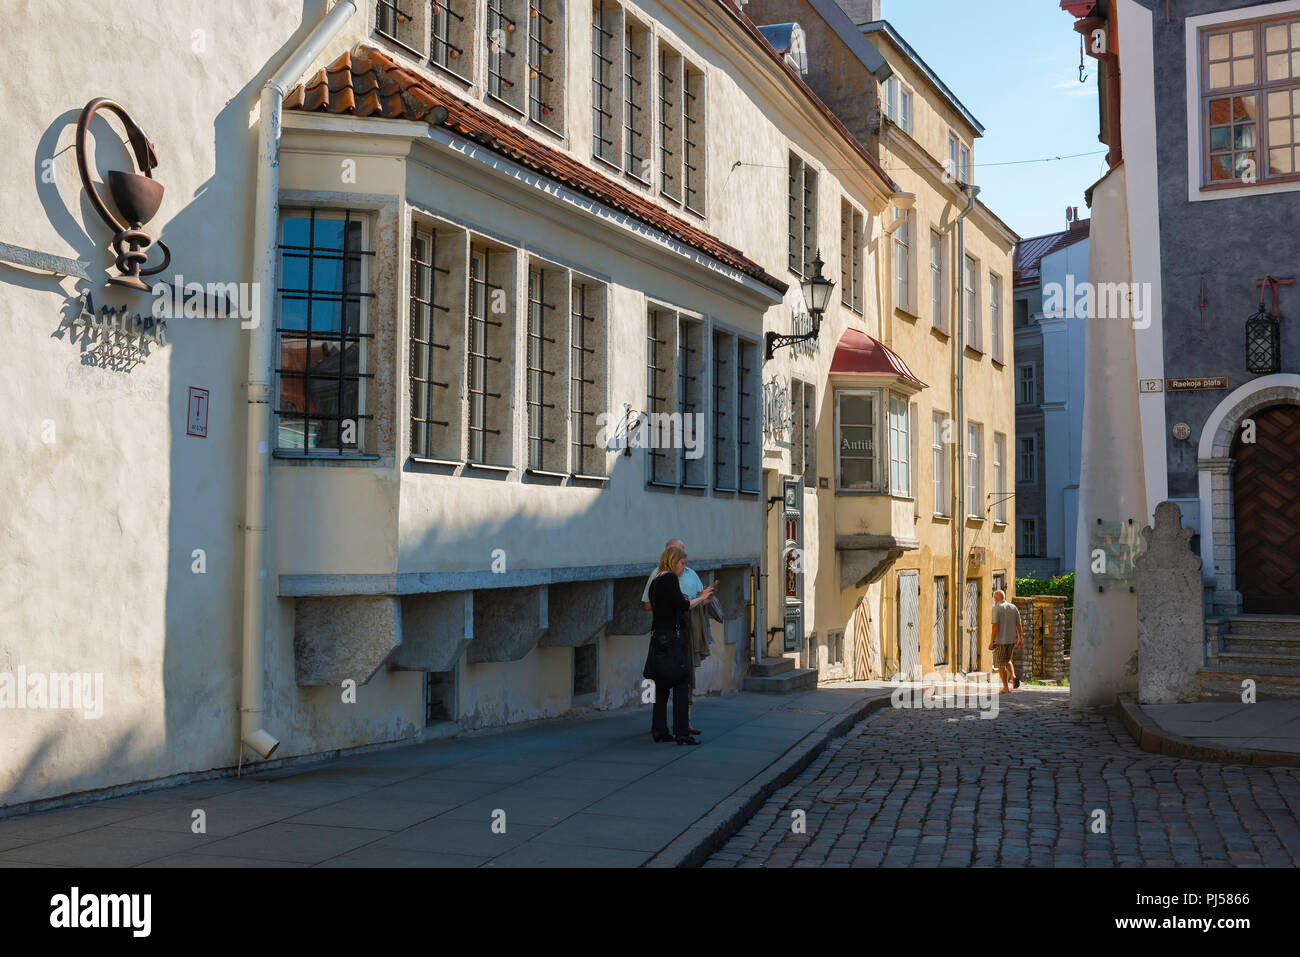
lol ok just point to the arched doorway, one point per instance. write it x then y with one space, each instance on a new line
1266 486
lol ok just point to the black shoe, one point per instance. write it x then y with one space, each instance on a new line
663 738
687 741
1017 684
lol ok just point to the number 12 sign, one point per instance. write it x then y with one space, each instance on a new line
198 414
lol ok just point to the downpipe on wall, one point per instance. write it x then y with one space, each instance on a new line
960 466
261 389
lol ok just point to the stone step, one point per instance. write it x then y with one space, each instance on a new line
1224 684
1262 643
802 680
772 667
1245 660
1261 624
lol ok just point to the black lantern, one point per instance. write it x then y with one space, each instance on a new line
1263 343
817 294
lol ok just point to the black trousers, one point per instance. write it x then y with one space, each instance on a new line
681 693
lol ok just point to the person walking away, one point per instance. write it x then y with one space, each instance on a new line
1007 637
668 664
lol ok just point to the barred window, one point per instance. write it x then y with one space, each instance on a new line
587 365
606 29
802 216
488 377
546 62
724 412
544 391
431 372
321 331
504 64
693 138
397 20
692 402
451 35
749 419
670 123
661 341
852 225
636 86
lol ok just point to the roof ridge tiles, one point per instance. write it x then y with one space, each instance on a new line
335 89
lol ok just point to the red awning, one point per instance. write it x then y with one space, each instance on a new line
859 354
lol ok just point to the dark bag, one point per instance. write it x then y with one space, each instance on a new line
668 661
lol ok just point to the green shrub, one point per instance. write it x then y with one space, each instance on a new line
1064 586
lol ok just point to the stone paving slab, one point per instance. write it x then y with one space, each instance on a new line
593 791
1264 733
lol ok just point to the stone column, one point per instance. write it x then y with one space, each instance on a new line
1171 616
1223 526
1112 482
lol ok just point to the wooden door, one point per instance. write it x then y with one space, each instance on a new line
1266 490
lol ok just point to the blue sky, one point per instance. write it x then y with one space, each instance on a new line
1027 94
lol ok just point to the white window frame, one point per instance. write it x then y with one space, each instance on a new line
1192 85
995 316
999 478
900 447
879 480
971 290
938 281
903 246
974 470
940 465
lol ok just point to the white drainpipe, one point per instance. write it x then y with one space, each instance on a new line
261 389
959 342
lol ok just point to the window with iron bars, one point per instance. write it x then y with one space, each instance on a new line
587 365
802 216
432 373
803 442
546 62
692 402
545 359
636 84
320 332
606 29
851 256
398 21
488 378
724 412
693 138
503 64
451 36
749 421
660 388
670 123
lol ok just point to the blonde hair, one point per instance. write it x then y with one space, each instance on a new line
669 558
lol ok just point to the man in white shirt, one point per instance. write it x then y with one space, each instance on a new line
690 582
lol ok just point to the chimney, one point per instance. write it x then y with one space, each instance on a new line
861 11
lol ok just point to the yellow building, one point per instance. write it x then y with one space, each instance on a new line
923 507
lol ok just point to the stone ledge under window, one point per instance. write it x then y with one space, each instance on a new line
864 559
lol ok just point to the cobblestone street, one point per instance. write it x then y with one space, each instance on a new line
939 787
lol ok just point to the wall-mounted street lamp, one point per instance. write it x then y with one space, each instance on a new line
817 294
1263 333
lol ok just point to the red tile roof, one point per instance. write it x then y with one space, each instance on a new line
369 83
1026 265
859 354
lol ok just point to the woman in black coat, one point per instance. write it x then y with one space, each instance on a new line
669 661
